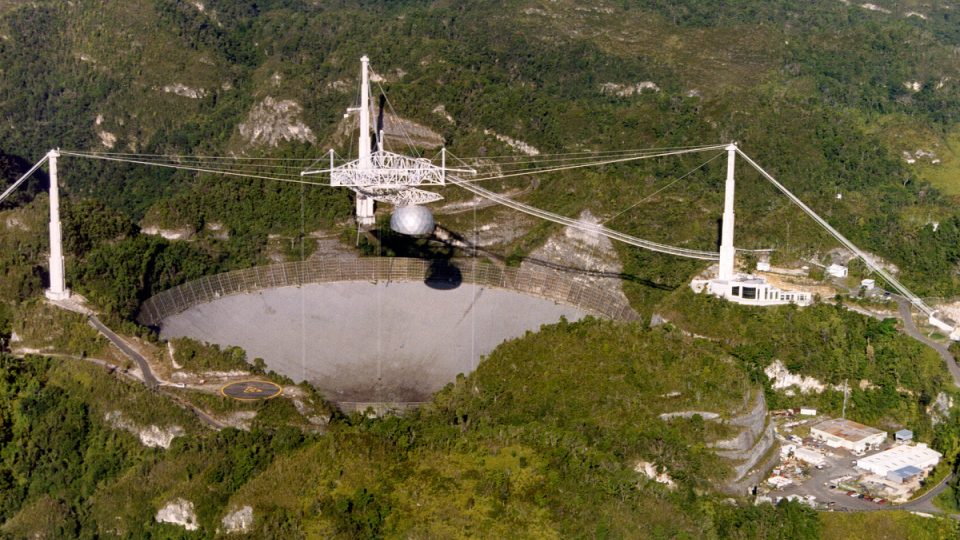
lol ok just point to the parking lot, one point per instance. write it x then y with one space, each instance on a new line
833 484
839 464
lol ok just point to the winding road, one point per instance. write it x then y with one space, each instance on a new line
924 503
148 378
910 327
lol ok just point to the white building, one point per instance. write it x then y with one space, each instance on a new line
751 291
808 455
853 436
808 411
868 284
920 456
739 288
837 270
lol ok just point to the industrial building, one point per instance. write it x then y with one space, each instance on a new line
904 475
751 291
809 455
897 458
854 436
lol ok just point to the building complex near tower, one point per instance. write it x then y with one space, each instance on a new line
742 288
853 436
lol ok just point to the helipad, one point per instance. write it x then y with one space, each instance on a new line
251 390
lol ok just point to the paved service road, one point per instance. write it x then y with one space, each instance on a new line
910 328
924 503
148 378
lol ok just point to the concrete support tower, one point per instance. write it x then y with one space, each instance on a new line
727 251
365 215
58 288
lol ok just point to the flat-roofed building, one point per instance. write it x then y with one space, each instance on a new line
904 475
854 436
904 435
883 463
807 455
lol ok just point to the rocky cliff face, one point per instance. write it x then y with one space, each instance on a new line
273 121
584 256
748 448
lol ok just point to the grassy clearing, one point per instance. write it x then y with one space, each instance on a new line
945 175
886 525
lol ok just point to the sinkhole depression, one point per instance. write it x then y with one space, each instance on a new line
374 330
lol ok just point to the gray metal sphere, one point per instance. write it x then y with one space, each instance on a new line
412 220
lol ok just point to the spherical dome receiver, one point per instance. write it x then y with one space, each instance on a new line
412 220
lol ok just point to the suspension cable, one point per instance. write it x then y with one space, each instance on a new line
871 265
583 226
241 174
23 178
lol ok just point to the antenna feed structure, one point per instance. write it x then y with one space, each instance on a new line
384 176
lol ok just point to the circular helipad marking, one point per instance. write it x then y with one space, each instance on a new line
251 390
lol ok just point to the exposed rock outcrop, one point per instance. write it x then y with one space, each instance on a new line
585 256
650 471
518 145
939 410
239 521
170 234
183 90
153 436
783 379
273 121
627 90
178 512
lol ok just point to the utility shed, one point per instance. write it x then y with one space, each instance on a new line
854 436
837 270
904 474
920 456
903 435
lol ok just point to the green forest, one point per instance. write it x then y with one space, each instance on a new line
805 93
543 440
492 455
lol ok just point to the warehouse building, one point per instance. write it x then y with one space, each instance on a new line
904 475
918 456
840 433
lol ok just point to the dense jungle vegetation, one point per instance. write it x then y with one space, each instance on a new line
498 453
814 91
543 439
